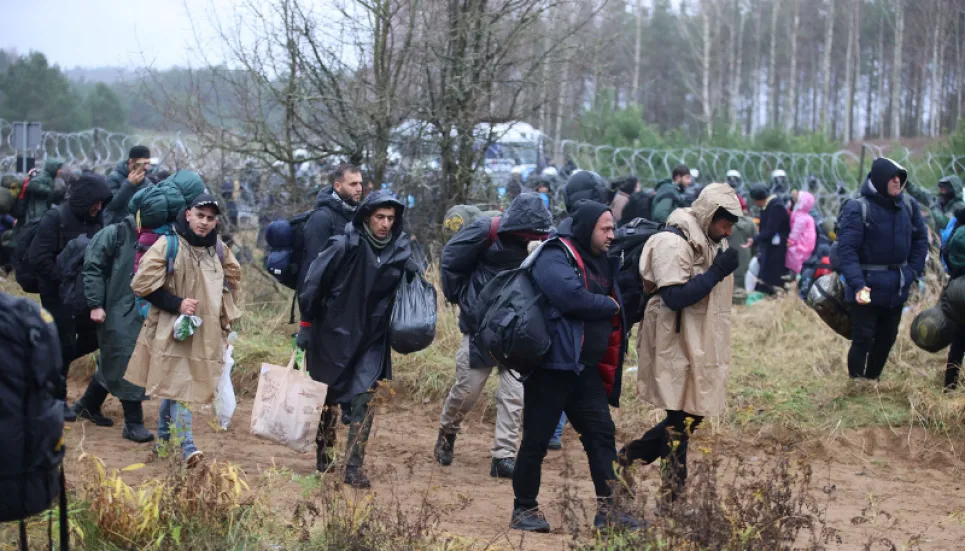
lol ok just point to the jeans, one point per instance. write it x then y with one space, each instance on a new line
558 435
668 440
176 413
873 333
583 398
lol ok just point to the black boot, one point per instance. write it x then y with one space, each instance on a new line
89 405
502 468
951 376
358 437
529 520
325 440
445 448
134 429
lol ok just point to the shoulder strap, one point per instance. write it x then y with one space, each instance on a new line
575 256
172 251
863 204
219 248
493 229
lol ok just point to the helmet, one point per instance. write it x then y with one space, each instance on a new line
550 172
778 174
734 178
694 173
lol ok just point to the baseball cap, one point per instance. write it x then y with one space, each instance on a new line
206 200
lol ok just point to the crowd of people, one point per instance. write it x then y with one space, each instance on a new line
160 294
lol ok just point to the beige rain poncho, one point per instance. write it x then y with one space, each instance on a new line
186 371
686 371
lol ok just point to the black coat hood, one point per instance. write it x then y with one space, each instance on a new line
527 213
586 185
883 169
583 218
376 200
87 191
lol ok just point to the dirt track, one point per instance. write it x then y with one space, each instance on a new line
910 492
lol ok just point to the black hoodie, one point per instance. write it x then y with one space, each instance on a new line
65 222
329 219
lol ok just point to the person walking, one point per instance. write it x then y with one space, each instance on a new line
744 230
470 260
582 372
882 246
38 194
346 302
199 279
685 337
804 234
771 240
669 195
127 178
953 253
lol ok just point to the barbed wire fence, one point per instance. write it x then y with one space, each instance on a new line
825 174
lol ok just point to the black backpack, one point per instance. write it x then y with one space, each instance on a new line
71 264
511 325
27 277
286 247
31 419
627 245
640 205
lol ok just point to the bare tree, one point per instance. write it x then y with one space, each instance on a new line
772 85
896 71
637 42
826 66
849 64
790 120
737 72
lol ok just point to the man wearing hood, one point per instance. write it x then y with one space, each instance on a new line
671 194
882 245
203 280
39 195
771 240
470 260
582 372
586 184
949 201
126 179
81 215
685 336
346 302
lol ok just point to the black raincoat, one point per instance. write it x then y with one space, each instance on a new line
470 260
347 296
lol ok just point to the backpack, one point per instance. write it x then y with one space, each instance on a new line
19 208
71 264
286 243
31 420
628 244
453 292
460 216
511 325
863 204
26 275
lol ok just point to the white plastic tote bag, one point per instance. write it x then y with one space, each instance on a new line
287 406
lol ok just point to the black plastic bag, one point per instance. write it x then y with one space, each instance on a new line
932 331
414 314
826 297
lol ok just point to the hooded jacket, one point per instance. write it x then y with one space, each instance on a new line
108 268
685 355
123 191
668 197
772 241
40 189
804 233
944 211
887 252
329 219
61 224
470 260
570 305
586 184
347 296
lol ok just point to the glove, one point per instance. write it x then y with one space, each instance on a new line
726 263
304 339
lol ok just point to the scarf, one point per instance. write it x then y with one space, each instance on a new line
345 204
193 239
377 244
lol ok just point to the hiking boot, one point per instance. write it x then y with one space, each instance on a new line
445 448
134 429
137 432
529 520
612 519
502 468
555 444
357 479
94 416
69 415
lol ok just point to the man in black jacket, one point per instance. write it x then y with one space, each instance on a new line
334 208
470 260
127 178
346 302
81 215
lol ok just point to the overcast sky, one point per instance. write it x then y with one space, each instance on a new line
94 33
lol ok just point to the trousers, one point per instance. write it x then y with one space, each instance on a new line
873 333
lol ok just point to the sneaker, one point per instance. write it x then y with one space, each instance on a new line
94 416
555 444
529 520
69 415
445 448
615 520
357 479
502 468
193 458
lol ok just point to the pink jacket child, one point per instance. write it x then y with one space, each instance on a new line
803 238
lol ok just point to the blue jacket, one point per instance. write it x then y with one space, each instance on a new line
568 304
891 237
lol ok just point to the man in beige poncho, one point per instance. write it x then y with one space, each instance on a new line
685 339
202 280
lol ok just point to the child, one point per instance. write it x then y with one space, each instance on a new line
803 238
